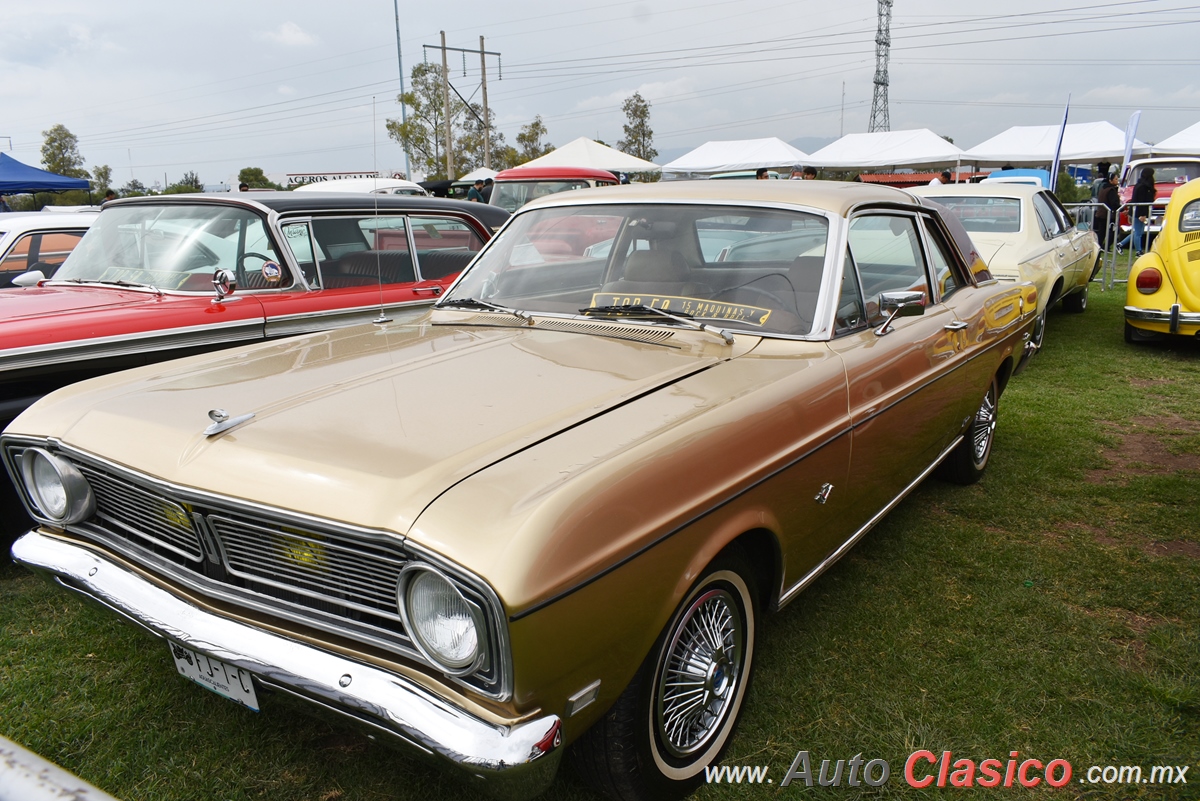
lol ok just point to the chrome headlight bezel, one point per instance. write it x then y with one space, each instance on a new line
79 502
451 667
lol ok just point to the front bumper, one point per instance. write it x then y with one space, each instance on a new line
1173 320
505 761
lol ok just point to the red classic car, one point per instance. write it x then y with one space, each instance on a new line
161 277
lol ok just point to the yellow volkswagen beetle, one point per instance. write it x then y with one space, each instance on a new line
1163 295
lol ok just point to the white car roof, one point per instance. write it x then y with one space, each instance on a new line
20 222
380 185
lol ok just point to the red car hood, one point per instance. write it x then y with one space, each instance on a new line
45 300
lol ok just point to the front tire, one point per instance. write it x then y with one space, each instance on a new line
967 463
1076 302
679 712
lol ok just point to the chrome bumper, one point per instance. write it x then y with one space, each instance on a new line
1174 317
515 761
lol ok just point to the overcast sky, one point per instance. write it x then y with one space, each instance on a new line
154 88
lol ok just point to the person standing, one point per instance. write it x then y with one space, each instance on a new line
810 173
1108 201
475 193
761 174
944 178
1143 197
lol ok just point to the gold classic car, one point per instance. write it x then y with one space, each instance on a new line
1163 294
552 510
1025 234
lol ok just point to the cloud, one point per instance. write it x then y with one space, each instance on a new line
658 90
287 91
289 34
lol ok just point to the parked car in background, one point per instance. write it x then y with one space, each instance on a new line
1163 293
1170 173
140 288
1024 234
553 509
1038 178
38 241
513 188
374 186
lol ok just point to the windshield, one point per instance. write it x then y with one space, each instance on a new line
1177 173
512 195
175 247
985 215
751 269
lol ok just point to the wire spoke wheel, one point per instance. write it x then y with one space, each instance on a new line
701 672
983 430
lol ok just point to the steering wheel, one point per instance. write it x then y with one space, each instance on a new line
241 264
759 297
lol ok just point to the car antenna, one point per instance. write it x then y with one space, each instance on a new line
382 318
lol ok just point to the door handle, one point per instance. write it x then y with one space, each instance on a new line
956 326
432 290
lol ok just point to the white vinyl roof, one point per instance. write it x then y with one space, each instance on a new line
739 154
920 147
1033 145
584 152
1184 143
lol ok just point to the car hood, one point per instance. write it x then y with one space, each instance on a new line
42 301
365 425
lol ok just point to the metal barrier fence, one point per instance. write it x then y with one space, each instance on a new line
1115 266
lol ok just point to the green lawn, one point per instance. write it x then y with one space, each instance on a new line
1052 609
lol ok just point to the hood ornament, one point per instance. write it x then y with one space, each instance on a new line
223 422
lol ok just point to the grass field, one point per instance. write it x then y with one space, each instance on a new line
1052 609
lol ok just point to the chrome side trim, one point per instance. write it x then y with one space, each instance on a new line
285 325
1161 315
514 760
790 593
128 344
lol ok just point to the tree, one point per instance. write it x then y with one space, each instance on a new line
639 138
186 185
254 177
134 188
101 179
423 133
529 141
60 152
468 150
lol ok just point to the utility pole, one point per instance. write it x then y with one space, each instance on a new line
487 118
883 44
446 110
485 121
403 107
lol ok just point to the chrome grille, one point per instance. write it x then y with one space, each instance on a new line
147 520
355 573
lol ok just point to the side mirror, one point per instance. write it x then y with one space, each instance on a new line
31 278
899 304
225 283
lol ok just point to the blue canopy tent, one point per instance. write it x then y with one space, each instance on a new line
18 178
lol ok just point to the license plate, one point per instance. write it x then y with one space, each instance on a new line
213 674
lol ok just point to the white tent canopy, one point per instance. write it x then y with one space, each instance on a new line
887 149
1184 143
1033 145
480 174
739 154
584 152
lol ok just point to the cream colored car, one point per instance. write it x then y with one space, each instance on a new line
1025 234
553 510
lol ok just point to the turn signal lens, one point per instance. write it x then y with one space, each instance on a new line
1149 281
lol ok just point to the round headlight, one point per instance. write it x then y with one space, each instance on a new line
443 624
56 487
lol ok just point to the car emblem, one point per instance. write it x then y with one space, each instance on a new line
271 272
223 422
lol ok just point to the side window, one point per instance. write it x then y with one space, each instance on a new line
445 245
851 314
41 251
1065 221
887 250
299 238
1045 216
362 251
941 258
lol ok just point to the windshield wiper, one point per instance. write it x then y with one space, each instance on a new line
473 303
628 309
109 283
